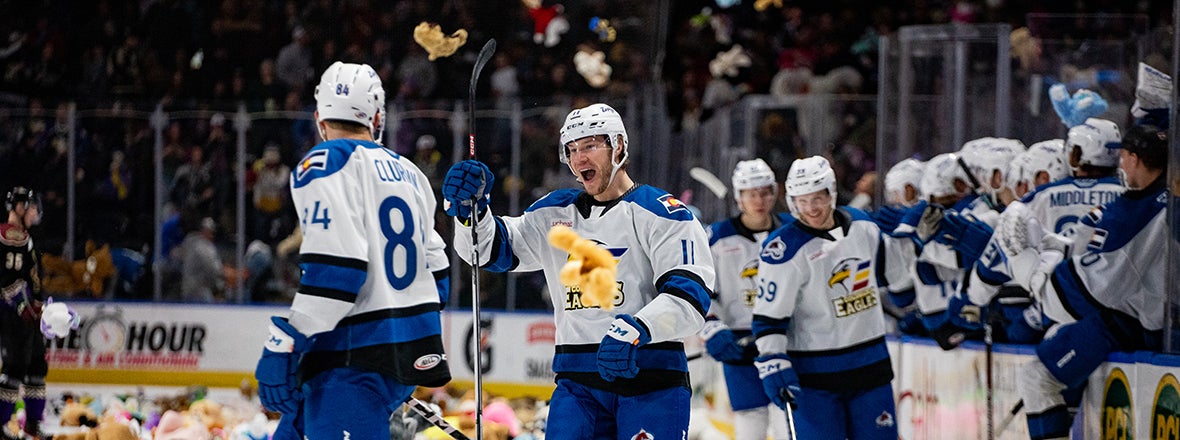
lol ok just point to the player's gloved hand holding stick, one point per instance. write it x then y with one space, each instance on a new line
277 371
779 381
467 181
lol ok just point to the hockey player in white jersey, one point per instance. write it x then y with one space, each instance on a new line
1057 206
622 373
735 244
818 322
1109 297
364 326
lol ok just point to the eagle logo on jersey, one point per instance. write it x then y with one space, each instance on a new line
749 274
672 204
852 275
315 160
573 294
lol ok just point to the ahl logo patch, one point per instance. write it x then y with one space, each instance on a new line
429 361
885 420
672 204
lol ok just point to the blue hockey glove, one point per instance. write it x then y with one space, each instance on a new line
779 381
720 342
278 382
888 217
920 223
966 235
616 352
465 182
442 282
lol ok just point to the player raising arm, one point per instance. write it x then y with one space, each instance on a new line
620 373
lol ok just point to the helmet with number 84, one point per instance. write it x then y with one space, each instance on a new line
352 93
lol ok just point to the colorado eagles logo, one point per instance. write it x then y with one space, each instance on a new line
749 274
852 275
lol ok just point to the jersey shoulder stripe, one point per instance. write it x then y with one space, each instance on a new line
660 203
556 199
720 230
1117 223
329 157
857 215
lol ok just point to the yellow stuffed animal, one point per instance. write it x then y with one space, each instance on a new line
431 38
762 5
590 267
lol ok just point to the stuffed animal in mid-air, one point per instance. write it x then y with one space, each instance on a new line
1074 110
590 267
431 38
548 23
727 63
591 64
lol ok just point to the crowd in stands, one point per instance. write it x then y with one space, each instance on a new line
117 60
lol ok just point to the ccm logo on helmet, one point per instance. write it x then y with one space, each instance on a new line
429 361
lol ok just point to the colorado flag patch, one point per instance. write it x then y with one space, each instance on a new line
315 160
671 203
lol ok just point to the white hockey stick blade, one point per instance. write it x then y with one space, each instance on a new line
710 180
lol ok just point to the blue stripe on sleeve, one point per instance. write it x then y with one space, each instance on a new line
327 276
687 286
765 325
503 259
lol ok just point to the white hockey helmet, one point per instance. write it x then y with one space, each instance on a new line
351 92
1099 141
940 174
986 156
751 174
1047 156
594 120
906 172
807 176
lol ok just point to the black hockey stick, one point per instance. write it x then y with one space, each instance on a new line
485 54
1008 418
988 344
976 187
435 418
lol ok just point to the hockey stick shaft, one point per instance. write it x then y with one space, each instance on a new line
477 340
435 418
1008 418
976 187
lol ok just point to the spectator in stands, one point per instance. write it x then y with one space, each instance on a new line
293 64
271 196
202 275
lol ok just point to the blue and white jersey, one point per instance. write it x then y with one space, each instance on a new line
735 251
372 261
819 299
939 273
1119 274
1058 207
665 276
